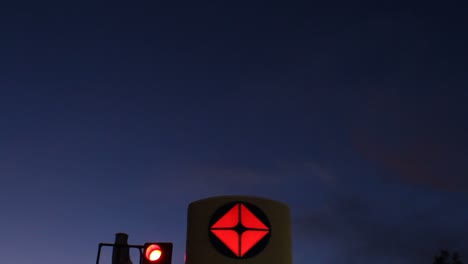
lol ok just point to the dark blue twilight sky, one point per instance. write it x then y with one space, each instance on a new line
114 116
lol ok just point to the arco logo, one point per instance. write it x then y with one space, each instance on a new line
239 230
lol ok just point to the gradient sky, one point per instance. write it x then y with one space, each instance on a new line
115 116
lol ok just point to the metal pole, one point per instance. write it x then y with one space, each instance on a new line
121 255
139 247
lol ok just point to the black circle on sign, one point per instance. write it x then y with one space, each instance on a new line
222 248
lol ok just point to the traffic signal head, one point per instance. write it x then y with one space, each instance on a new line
157 253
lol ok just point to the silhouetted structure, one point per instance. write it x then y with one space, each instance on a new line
446 258
121 255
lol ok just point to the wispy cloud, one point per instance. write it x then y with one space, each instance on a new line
432 164
196 179
359 233
418 137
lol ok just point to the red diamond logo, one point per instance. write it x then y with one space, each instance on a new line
239 229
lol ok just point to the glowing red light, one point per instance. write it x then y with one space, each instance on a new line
153 252
250 238
239 242
249 220
230 219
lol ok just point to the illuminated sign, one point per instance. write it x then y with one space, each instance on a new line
239 230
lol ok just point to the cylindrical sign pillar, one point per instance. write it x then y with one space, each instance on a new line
238 229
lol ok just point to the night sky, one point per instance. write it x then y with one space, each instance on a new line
115 116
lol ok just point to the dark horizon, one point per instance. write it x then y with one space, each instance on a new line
115 116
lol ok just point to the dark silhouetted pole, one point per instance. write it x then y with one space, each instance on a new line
121 255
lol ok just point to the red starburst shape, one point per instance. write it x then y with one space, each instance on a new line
239 229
